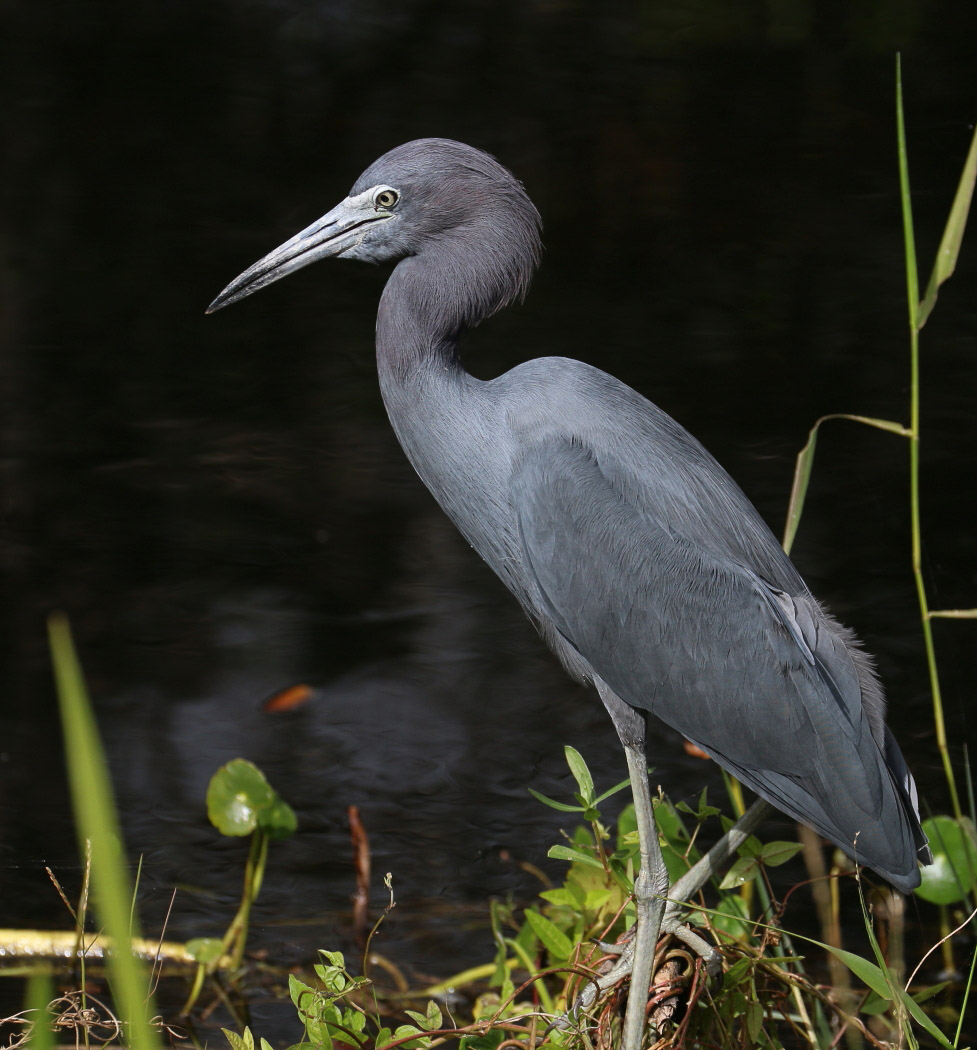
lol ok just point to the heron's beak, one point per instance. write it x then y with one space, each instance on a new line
336 232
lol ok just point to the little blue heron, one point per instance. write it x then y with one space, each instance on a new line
638 558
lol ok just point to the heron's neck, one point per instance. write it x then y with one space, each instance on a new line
451 425
419 323
455 281
437 409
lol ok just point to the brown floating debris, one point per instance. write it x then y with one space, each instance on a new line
288 699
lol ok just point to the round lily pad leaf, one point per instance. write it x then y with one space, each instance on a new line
953 873
278 819
240 799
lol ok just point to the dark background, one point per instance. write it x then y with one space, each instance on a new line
219 504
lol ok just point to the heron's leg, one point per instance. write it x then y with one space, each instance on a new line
650 890
690 883
711 863
637 958
651 882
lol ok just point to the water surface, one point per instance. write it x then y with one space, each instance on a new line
220 506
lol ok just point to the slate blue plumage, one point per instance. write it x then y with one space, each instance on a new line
636 555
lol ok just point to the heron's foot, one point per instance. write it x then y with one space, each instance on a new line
709 954
624 950
672 923
602 982
619 946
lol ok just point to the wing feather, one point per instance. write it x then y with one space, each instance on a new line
760 678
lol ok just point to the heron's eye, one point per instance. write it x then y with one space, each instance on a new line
385 199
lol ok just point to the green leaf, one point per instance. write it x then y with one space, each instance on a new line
867 972
702 810
560 897
774 853
596 899
751 847
805 463
236 792
754 1019
590 813
730 916
873 976
298 990
238 1042
563 807
737 972
551 936
573 855
303 996
798 490
927 993
333 978
576 892
670 825
874 1005
278 820
674 839
578 767
953 873
240 799
627 822
507 990
946 256
745 869
428 1021
488 1041
205 950
738 1002
409 1029
612 791
354 1020
525 941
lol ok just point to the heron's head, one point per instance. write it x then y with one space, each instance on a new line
422 197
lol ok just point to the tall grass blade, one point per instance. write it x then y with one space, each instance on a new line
96 820
909 238
956 224
946 257
876 978
39 989
966 996
798 490
805 464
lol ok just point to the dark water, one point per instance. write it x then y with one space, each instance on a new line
219 504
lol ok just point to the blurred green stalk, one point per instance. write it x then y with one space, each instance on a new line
97 824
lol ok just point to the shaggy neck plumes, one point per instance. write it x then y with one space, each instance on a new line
457 280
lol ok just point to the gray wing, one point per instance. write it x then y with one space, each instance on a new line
637 582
